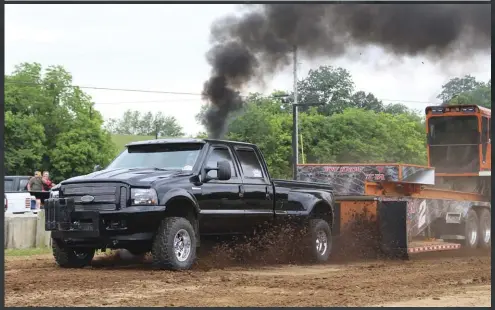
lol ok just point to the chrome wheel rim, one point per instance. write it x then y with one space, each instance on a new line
473 233
321 242
182 245
486 226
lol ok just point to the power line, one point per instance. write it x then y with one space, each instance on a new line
108 88
152 101
172 93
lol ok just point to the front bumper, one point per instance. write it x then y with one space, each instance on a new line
132 223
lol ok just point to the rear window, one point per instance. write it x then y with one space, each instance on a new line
8 185
23 184
251 166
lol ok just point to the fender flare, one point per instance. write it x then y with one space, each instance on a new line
182 193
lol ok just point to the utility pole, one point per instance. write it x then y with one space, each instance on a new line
295 132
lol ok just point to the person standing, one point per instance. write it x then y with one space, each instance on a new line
35 184
47 183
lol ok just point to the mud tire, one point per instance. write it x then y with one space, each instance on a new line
319 229
484 225
471 228
67 257
163 252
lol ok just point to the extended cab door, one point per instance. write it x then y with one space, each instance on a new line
221 206
256 187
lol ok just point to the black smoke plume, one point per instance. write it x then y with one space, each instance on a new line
261 41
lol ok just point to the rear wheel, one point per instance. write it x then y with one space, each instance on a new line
68 257
472 235
320 240
485 229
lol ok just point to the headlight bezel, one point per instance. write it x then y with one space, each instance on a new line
146 197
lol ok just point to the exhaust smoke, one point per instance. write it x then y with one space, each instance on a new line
261 42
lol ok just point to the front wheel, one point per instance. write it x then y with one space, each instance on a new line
485 229
320 240
174 247
67 257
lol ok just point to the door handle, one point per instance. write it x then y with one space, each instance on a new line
267 194
241 191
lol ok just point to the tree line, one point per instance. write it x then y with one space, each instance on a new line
52 125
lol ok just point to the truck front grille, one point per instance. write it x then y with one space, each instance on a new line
107 196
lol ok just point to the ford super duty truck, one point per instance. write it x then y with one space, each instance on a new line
163 196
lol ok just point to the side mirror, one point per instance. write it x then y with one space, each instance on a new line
223 172
97 168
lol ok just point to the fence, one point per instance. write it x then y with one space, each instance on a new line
26 231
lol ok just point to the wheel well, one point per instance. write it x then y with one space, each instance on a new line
183 207
323 210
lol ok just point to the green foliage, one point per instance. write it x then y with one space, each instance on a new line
201 135
481 96
332 87
366 136
27 252
349 127
24 141
467 90
46 117
145 124
368 101
121 140
355 135
269 131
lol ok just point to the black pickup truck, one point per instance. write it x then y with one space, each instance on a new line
163 195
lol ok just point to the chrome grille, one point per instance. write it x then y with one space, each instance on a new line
123 196
107 196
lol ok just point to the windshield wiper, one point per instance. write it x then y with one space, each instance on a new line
163 169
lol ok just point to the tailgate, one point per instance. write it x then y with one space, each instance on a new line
18 202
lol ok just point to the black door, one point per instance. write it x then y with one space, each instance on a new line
256 188
220 202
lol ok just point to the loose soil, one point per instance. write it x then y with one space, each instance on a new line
430 279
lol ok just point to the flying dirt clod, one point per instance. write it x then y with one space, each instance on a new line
261 42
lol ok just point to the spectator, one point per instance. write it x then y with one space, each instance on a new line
47 183
35 184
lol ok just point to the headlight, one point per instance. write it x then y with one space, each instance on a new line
143 197
54 194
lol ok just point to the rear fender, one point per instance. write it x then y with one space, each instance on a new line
308 200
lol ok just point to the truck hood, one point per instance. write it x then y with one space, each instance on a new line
131 176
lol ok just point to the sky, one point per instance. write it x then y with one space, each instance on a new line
162 47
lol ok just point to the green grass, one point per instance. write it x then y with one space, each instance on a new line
121 140
27 252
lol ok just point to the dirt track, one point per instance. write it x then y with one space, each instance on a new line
440 279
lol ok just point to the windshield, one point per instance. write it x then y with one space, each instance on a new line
453 130
179 156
